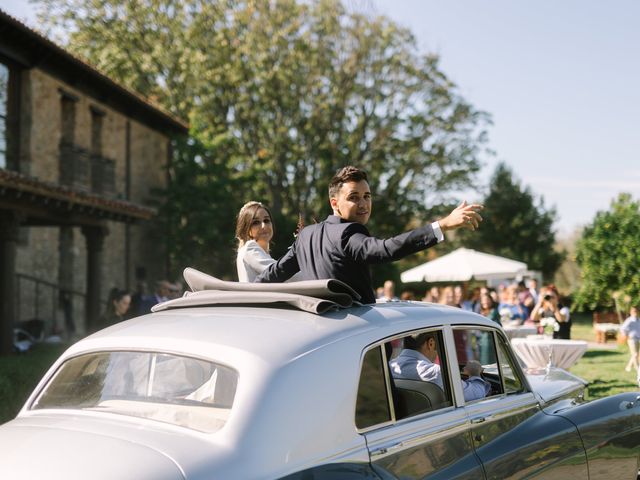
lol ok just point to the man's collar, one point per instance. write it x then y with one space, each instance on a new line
409 352
335 219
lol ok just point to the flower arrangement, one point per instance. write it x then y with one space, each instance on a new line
549 325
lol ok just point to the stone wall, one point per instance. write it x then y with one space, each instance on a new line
39 250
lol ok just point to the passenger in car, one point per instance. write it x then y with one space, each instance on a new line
417 359
254 231
342 248
474 386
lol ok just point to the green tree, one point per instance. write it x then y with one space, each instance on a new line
516 225
284 93
609 255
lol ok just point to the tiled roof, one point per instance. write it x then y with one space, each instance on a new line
20 188
47 48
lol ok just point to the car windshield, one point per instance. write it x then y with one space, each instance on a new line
184 391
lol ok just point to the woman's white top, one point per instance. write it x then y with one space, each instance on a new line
252 260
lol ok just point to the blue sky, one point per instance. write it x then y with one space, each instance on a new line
560 79
562 82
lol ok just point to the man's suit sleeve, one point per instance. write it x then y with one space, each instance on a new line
281 270
365 248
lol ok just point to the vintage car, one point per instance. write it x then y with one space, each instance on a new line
242 381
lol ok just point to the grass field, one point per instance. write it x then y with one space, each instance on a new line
603 368
19 374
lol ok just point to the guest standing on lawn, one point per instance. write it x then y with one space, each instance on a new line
631 329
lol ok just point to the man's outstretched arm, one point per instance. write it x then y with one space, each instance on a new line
282 270
365 248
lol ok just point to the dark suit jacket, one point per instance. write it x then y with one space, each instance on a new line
344 250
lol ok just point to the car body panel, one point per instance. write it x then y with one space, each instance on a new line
513 434
294 407
437 445
610 431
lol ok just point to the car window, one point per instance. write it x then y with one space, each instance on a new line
184 391
372 405
477 363
510 376
418 378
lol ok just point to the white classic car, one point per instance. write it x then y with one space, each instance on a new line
245 381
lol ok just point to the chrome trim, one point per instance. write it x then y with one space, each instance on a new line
387 381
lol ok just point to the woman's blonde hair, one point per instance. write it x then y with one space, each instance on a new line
245 216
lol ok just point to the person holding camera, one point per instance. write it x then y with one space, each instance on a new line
549 307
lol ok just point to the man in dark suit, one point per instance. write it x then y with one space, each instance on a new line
342 248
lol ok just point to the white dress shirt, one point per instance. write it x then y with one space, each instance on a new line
474 388
631 328
412 365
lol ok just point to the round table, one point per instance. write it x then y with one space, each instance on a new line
541 351
519 331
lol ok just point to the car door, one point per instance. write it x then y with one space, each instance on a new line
511 434
408 441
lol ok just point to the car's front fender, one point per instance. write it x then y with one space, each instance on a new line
610 431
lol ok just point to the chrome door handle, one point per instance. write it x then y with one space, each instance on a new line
385 450
477 420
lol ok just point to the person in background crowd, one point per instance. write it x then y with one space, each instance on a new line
407 295
525 297
549 308
488 308
631 329
533 290
388 292
175 290
432 295
459 295
118 304
137 299
448 297
161 295
472 302
510 308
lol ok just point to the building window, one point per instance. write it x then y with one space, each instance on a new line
4 97
68 117
97 117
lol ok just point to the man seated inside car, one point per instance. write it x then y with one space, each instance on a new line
474 386
417 359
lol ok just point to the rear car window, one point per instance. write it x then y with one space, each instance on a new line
372 405
184 391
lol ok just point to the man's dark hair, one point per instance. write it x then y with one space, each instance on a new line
414 342
345 175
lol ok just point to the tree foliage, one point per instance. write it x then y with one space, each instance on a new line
609 255
516 225
282 93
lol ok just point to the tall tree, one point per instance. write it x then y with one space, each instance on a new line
609 255
284 93
516 225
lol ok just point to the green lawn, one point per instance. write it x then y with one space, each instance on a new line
19 374
602 368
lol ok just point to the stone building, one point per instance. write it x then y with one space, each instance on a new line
80 160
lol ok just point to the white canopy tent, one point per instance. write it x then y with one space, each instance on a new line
464 264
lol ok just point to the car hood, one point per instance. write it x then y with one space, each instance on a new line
554 384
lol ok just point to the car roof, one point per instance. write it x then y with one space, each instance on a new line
230 321
274 333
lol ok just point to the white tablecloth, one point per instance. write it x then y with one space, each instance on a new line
538 351
519 331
